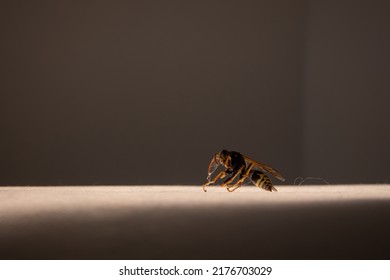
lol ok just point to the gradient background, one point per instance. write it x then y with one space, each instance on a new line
145 92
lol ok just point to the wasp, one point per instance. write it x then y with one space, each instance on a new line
238 165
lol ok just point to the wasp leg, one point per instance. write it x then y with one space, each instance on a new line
235 186
242 179
221 174
231 179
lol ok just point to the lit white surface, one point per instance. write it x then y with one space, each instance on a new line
14 200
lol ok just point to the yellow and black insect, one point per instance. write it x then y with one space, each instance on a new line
237 164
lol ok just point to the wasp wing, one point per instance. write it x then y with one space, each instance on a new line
265 168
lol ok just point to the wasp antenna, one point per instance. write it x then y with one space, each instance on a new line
212 166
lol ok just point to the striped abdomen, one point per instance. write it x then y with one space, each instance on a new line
262 181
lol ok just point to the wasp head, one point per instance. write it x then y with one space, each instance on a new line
224 157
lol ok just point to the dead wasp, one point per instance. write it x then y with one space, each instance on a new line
237 164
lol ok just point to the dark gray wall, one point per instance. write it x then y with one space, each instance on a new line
347 91
145 92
